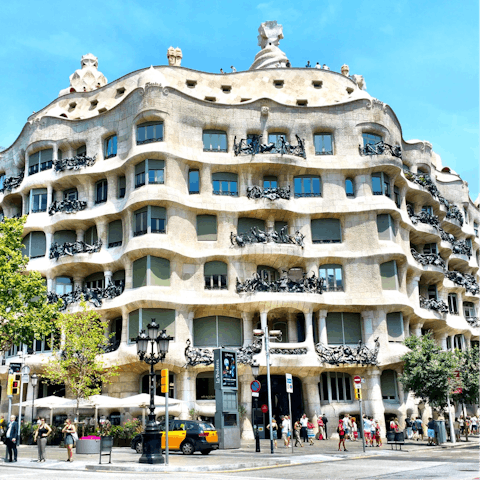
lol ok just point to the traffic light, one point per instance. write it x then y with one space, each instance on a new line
17 378
358 393
10 384
164 380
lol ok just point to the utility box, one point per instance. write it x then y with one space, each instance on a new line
226 398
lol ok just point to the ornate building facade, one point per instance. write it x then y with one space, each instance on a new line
218 204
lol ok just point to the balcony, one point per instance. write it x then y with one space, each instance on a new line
74 163
253 146
72 248
380 148
423 217
284 284
139 233
464 280
259 236
455 214
433 304
67 206
275 193
425 181
11 183
473 321
428 259
346 354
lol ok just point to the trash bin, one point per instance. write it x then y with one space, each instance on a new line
391 436
441 431
399 437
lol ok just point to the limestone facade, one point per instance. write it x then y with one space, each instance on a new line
181 258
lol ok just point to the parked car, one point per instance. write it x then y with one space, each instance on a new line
186 436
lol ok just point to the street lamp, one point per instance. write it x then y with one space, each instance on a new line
255 370
158 343
273 335
34 379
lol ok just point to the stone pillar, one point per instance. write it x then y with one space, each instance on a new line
102 232
414 291
467 340
309 331
112 189
49 194
292 327
77 282
28 403
48 241
189 321
245 399
206 184
50 284
25 203
270 224
441 339
406 327
124 339
128 273
402 398
368 337
247 318
416 329
185 387
129 180
311 397
108 277
312 267
373 397
322 326
80 234
127 221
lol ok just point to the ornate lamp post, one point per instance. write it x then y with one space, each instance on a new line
34 379
158 343
255 370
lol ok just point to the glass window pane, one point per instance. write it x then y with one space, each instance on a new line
205 332
388 274
160 271
133 324
352 327
334 328
194 181
140 272
229 332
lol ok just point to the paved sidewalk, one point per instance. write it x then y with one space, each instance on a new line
126 459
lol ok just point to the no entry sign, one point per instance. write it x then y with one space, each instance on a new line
357 379
264 408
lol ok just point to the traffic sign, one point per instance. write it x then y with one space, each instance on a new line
264 408
255 386
25 378
357 379
288 378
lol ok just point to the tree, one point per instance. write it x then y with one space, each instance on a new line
76 361
427 370
468 368
24 311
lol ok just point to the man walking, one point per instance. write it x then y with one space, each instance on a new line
325 421
11 439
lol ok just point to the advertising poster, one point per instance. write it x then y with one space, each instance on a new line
229 370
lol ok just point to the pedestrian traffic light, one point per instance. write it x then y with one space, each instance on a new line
358 393
10 384
17 378
164 380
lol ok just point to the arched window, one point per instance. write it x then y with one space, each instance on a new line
150 219
70 194
63 285
453 303
95 280
35 245
469 309
206 228
380 184
215 275
91 235
343 328
38 200
335 387
149 171
145 385
388 382
82 150
371 139
40 161
217 330
205 386
245 224
193 182
277 138
151 271
349 188
270 181
138 320
395 327
149 132
333 277
386 227
459 342
323 144
101 191
65 236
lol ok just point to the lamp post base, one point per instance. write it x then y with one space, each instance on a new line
152 448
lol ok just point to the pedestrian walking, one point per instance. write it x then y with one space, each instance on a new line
431 431
40 437
456 428
408 427
70 432
285 426
310 433
325 421
354 429
372 430
304 424
274 430
462 424
419 424
233 69
11 439
367 431
346 425
321 429
378 434
296 431
341 435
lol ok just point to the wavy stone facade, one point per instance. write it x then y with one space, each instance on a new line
176 256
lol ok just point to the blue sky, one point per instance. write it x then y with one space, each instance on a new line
419 57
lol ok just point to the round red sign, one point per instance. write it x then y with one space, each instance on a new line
264 408
357 379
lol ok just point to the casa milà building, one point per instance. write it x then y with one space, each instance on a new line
220 203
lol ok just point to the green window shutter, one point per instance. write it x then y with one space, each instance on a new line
64 236
26 243
383 226
388 274
245 224
133 324
326 230
140 167
156 164
118 275
334 328
387 382
46 155
279 225
158 212
159 271
34 159
225 176
352 327
215 268
115 231
38 244
205 332
165 319
122 182
39 191
395 326
206 227
140 272
229 332
91 235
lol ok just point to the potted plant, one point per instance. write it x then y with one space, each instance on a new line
106 439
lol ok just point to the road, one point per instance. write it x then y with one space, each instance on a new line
458 464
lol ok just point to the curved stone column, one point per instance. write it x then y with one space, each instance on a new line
373 402
185 387
245 399
311 398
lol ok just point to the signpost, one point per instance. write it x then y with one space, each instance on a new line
358 380
289 386
264 408
255 386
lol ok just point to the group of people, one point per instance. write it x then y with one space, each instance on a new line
348 429
320 67
302 430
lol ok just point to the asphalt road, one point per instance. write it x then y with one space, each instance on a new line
458 464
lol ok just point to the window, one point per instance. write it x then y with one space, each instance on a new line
206 228
371 139
101 189
118 278
216 331
458 341
398 199
395 326
343 328
335 387
139 319
380 184
269 274
326 230
475 227
323 144
38 200
145 385
307 186
453 303
349 188
35 245
214 141
122 187
225 183
2 181
91 235
388 272
388 383
111 147
427 209
65 236
155 169
115 233
82 150
205 386
70 194
333 277
277 138
432 292
278 225
193 182
40 161
149 132
270 181
150 219
215 274
151 271
430 248
245 224
43 345
96 280
63 285
469 309
386 227
465 214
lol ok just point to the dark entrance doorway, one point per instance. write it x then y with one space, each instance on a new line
279 401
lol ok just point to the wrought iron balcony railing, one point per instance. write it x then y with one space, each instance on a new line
346 354
473 321
67 206
454 213
12 182
259 236
150 140
428 259
433 304
74 163
284 284
381 148
423 217
58 250
253 146
271 193
464 280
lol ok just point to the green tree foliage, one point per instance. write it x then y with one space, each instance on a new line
427 370
468 367
76 361
24 311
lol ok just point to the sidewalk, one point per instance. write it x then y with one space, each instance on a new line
126 459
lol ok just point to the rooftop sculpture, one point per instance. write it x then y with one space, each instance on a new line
174 56
270 34
87 78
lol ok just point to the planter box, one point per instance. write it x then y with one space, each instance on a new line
122 442
88 446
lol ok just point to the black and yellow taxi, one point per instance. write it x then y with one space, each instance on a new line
186 436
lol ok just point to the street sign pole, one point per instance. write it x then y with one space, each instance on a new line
358 394
290 416
269 386
361 420
289 382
